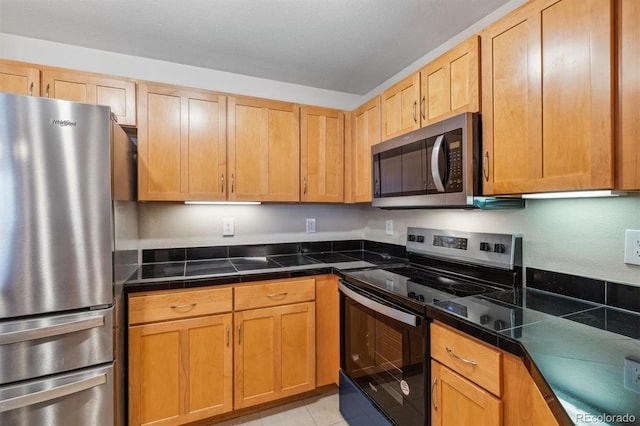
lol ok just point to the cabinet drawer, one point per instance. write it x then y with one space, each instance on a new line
179 304
273 293
471 359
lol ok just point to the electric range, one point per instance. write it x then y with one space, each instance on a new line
385 332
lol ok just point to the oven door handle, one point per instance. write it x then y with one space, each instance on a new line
385 310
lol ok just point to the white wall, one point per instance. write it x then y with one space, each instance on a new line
79 58
179 225
575 236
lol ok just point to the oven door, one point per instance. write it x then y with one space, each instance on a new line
383 354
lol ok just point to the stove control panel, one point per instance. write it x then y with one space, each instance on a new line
496 250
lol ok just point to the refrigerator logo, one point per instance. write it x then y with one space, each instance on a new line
64 123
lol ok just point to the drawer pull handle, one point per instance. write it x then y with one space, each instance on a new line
468 361
275 295
190 305
239 334
433 386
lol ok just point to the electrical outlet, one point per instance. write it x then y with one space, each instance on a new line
311 225
632 375
227 227
632 247
389 227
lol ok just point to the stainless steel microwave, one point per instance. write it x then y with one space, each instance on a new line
437 166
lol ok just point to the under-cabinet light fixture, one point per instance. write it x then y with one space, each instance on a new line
574 194
224 203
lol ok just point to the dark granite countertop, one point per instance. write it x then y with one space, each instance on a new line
252 266
575 348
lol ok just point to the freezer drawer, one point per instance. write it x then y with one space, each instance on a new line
54 344
78 398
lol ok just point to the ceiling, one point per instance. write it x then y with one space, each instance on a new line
349 46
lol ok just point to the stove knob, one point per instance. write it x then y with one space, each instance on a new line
420 238
499 248
411 237
499 325
420 298
484 319
485 247
411 295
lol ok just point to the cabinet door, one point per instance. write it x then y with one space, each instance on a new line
524 404
628 148
275 353
327 330
119 94
366 133
264 150
180 371
181 144
547 98
20 79
321 154
450 84
400 109
457 401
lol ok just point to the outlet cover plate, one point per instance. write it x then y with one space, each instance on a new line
632 247
632 375
311 225
228 227
389 227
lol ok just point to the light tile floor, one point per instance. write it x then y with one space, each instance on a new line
320 410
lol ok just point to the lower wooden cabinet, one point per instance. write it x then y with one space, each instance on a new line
181 370
274 353
457 401
474 383
199 353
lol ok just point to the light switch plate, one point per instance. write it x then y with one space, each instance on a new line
311 225
389 227
227 227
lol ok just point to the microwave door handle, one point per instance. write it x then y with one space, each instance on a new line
385 310
435 170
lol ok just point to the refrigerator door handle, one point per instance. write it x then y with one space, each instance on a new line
49 394
52 330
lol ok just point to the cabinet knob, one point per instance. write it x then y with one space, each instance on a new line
222 183
31 89
47 91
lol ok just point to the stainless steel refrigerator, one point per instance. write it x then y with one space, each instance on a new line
56 267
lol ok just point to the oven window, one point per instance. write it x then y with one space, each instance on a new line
386 360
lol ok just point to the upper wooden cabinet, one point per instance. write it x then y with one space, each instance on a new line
400 109
365 131
450 84
264 150
18 78
547 78
181 144
321 154
628 147
117 93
